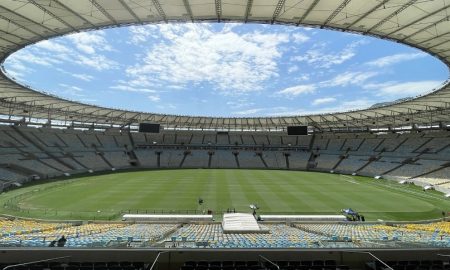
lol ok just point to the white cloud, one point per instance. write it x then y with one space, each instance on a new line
90 42
396 58
239 103
154 98
84 77
348 78
52 46
70 87
320 57
320 101
299 37
26 56
98 62
249 111
194 53
298 90
132 89
293 69
404 89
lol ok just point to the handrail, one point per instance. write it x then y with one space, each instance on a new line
33 262
157 257
373 256
274 264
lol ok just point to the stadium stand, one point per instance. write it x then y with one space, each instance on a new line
45 152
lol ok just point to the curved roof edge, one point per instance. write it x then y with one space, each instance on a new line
420 24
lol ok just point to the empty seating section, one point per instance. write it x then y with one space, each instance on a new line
117 159
171 158
440 174
289 140
274 159
147 158
416 168
334 146
247 139
379 167
235 139
72 141
249 159
10 176
298 159
261 139
47 137
123 140
183 138
297 235
154 138
139 138
368 145
52 152
223 159
223 139
326 162
390 144
75 165
435 144
320 143
352 163
169 138
55 164
197 159
91 160
107 141
89 140
209 139
410 145
352 144
197 138
275 139
279 236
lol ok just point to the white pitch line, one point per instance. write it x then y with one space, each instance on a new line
350 181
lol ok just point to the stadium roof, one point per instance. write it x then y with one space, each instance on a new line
424 24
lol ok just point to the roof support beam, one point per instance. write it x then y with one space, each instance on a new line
218 9
439 44
188 9
160 10
130 10
20 26
74 13
390 16
418 20
28 20
362 17
53 15
426 28
310 8
103 11
7 40
336 11
277 11
248 10
432 38
14 35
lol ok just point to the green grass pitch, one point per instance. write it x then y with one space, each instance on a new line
276 192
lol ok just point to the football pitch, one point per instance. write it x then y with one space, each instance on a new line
108 196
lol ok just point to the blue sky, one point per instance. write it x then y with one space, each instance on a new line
226 69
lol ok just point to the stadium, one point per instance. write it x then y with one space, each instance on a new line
357 189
